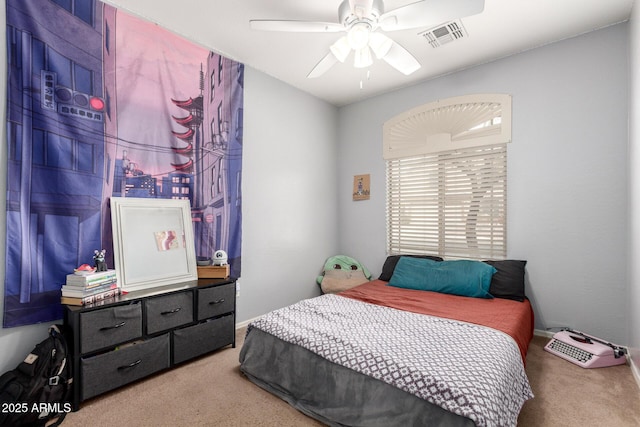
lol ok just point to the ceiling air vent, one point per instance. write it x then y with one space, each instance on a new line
443 34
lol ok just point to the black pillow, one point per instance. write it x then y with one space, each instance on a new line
392 260
508 281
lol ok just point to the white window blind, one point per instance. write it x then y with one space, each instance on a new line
450 203
447 177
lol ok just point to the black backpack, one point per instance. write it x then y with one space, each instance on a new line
38 389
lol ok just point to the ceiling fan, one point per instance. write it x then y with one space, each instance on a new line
364 22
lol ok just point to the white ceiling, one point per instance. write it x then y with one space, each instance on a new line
504 28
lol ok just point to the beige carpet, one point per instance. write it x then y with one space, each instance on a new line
211 391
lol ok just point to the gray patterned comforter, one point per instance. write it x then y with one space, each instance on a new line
467 369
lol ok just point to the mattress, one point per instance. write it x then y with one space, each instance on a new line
337 357
514 318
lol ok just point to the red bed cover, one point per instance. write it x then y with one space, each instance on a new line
514 318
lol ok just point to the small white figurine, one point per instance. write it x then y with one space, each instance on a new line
219 257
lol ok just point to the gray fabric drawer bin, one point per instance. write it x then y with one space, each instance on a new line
104 328
202 338
126 364
169 311
215 301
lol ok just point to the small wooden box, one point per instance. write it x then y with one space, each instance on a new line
213 272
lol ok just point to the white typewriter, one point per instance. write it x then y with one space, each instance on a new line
584 350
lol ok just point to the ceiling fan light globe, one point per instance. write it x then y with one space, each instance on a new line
380 44
362 58
341 49
358 35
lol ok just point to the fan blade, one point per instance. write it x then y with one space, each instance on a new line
379 44
427 13
296 26
400 59
322 66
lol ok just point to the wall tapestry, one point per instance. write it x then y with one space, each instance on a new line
102 104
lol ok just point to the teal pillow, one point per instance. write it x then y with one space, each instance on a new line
458 277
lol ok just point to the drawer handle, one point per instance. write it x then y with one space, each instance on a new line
106 328
220 301
131 365
175 310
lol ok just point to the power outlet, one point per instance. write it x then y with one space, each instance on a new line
237 289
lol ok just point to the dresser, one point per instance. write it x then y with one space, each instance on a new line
124 339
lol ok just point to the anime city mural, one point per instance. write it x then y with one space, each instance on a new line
102 104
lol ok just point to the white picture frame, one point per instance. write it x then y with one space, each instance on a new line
153 242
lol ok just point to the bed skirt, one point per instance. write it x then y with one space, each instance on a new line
305 380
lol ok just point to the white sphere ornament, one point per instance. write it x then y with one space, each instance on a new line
220 257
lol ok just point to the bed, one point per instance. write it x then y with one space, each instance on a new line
386 353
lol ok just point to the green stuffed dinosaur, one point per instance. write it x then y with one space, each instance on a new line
341 273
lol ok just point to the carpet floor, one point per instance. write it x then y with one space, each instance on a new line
211 391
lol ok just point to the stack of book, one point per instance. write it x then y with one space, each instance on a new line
90 288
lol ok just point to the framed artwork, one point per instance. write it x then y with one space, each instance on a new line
153 242
361 187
